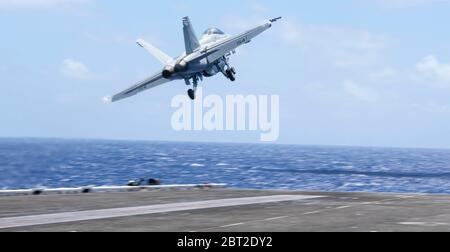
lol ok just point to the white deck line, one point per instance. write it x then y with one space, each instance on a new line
57 218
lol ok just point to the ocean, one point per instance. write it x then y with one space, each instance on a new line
31 163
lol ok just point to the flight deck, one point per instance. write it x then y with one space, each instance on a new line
225 210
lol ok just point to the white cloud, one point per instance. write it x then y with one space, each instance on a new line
39 4
403 4
336 46
74 69
259 7
433 71
345 92
432 108
361 93
340 47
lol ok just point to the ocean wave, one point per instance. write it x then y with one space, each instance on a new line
65 163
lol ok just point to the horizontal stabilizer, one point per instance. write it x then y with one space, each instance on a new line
158 54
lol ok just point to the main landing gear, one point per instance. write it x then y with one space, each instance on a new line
191 92
228 70
231 74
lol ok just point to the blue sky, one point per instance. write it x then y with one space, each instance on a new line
355 72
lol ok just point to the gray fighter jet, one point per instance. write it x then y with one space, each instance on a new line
203 58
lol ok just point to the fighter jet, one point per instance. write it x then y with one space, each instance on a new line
203 58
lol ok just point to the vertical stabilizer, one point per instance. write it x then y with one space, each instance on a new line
190 39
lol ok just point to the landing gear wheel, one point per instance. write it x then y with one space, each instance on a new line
230 74
191 94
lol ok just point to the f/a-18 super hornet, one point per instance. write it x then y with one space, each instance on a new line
203 58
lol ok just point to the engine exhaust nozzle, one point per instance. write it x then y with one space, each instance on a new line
181 66
168 72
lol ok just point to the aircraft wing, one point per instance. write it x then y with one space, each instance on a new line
217 51
154 81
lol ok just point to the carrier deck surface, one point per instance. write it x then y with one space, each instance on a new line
224 210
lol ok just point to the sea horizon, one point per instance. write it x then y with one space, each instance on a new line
223 142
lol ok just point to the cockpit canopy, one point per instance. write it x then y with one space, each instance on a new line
213 31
